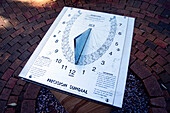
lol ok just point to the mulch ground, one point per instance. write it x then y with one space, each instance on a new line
23 25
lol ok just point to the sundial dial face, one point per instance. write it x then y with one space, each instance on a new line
82 54
100 37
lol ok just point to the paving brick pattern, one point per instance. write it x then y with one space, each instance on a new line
22 26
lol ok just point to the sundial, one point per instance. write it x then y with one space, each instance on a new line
84 53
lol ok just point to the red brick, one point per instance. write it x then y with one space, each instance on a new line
153 1
146 28
37 26
16 64
152 86
168 106
124 12
5 94
140 38
148 13
144 5
17 90
155 75
5 41
24 48
7 74
13 99
27 15
22 24
54 5
26 105
159 101
140 46
17 71
159 35
138 31
139 68
33 11
4 57
133 50
159 10
10 110
165 77
19 31
14 48
149 36
28 31
167 40
12 16
167 68
163 19
160 60
32 48
50 21
132 59
166 94
157 68
40 9
48 7
134 42
149 61
35 36
137 15
21 18
21 82
168 58
157 110
161 51
2 106
2 84
151 8
32 91
132 9
109 1
160 43
14 22
11 82
17 10
151 19
149 68
118 6
8 10
140 55
34 18
2 29
23 64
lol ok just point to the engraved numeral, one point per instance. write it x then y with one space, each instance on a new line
103 62
64 67
84 72
56 50
94 68
58 61
71 73
116 44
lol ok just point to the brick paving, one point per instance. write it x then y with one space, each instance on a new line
23 24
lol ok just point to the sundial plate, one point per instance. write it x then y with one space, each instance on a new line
99 70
